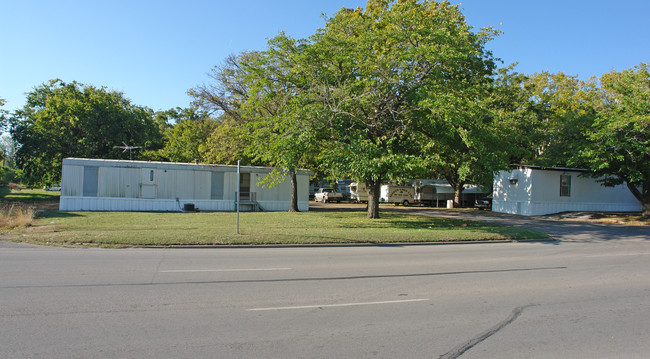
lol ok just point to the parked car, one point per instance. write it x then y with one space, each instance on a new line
56 187
327 195
483 203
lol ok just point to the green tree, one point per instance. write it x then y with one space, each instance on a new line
514 119
3 122
398 78
228 143
223 98
186 139
3 114
262 97
619 149
363 75
280 112
564 107
74 120
8 147
489 127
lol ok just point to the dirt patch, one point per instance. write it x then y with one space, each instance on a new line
352 207
634 219
51 205
342 207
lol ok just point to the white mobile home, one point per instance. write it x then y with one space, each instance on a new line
534 190
116 185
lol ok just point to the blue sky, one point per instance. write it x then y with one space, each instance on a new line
154 51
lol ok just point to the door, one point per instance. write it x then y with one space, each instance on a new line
148 184
244 186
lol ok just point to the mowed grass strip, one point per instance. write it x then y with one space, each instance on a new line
24 195
122 229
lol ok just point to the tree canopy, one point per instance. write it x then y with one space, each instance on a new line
564 108
619 148
74 120
185 134
387 75
3 114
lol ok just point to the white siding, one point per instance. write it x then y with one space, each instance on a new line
72 176
537 192
118 182
128 186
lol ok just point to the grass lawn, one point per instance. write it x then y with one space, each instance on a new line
123 229
118 229
17 194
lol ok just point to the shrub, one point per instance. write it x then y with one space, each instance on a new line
8 175
16 215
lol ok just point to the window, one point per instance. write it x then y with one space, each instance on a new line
565 186
90 181
216 187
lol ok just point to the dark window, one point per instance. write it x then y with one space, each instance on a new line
245 186
151 176
216 189
565 186
90 181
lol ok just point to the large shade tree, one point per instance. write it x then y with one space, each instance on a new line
223 98
263 96
397 78
74 120
619 149
282 121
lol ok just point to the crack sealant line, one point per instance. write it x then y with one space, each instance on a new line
458 351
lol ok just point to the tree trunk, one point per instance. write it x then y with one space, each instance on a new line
458 192
293 205
642 195
454 181
374 191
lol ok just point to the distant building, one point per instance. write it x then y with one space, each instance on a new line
116 185
438 192
534 190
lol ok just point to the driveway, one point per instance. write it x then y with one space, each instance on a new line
566 231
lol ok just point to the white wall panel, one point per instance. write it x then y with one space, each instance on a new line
72 176
537 192
121 184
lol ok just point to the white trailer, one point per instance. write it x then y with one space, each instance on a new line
116 185
358 192
397 194
534 191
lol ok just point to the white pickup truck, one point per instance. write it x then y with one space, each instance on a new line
327 195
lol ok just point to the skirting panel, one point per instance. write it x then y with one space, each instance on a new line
68 203
542 208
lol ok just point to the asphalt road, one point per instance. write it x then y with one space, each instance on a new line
585 295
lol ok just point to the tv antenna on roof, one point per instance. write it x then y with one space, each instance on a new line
129 148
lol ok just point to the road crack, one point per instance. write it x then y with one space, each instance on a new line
153 278
459 350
